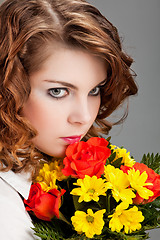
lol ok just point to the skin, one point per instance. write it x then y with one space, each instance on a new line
65 98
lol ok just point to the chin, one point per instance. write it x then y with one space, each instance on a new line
56 154
60 155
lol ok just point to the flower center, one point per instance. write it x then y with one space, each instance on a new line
90 219
92 191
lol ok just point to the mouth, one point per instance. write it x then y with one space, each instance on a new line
71 139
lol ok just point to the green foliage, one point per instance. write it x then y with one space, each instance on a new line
59 230
151 212
152 161
116 163
54 230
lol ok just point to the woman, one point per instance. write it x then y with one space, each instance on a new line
62 73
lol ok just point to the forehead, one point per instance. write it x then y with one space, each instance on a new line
71 65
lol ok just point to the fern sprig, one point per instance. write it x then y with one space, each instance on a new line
152 161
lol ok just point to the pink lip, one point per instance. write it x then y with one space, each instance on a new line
71 139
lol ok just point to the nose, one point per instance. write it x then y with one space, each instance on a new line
80 112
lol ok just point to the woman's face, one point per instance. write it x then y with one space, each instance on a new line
64 99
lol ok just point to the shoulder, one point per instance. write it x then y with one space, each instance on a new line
14 221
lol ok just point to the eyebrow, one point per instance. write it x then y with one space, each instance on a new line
66 84
62 83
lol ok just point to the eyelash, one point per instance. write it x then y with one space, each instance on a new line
56 95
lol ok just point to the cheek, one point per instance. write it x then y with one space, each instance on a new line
42 113
35 111
94 107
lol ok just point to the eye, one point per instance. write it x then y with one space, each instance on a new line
58 92
95 91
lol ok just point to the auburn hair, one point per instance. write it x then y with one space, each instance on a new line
27 27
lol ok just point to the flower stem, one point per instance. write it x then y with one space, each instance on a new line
108 204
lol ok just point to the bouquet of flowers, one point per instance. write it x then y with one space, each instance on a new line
98 191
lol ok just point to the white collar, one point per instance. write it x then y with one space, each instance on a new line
19 181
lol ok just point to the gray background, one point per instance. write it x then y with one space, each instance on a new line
138 24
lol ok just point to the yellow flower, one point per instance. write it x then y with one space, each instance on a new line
138 182
48 179
118 182
90 188
57 167
128 219
49 174
122 153
90 223
112 146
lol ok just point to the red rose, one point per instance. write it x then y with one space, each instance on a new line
153 178
45 205
86 158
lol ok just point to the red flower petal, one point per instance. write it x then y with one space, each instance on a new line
86 158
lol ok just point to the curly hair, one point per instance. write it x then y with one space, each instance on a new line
27 27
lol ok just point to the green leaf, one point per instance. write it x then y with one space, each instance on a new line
111 158
83 206
152 161
108 139
54 230
151 213
117 163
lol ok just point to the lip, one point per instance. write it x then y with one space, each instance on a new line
71 139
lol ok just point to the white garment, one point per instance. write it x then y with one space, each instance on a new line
15 222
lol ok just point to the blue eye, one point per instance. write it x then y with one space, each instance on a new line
95 91
58 92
